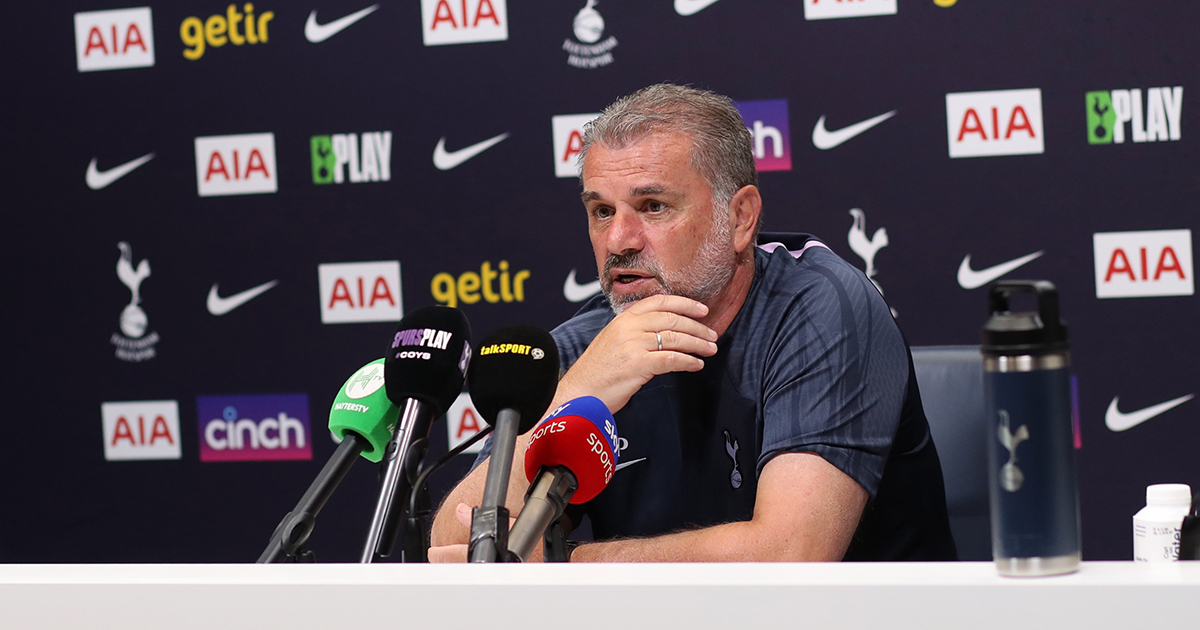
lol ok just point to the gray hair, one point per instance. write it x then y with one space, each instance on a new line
722 152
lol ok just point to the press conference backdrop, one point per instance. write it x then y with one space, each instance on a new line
217 212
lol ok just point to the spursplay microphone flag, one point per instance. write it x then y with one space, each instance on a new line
362 406
427 358
581 436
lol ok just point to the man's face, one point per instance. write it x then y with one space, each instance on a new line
652 224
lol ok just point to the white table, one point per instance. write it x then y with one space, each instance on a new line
891 596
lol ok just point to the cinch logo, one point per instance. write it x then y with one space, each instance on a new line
768 123
249 428
1107 113
236 165
109 40
469 287
463 422
568 142
589 51
219 29
826 9
147 429
463 21
1143 264
360 292
1002 122
373 163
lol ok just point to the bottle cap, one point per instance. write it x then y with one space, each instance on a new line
1169 494
1036 333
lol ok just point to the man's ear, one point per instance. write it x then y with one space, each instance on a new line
745 209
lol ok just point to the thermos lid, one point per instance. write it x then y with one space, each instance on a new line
1169 494
1039 332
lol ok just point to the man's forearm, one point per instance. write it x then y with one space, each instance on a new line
732 542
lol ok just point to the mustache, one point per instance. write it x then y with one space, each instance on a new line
632 260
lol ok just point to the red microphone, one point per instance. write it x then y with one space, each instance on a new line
572 456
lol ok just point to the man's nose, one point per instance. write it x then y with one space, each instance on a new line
625 233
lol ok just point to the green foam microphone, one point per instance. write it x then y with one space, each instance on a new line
362 406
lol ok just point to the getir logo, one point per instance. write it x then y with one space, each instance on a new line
231 27
360 292
826 9
1108 112
365 157
469 287
248 428
236 165
568 142
1002 122
768 123
463 422
146 429
1143 264
109 40
463 21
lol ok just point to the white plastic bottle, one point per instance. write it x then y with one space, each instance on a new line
1156 526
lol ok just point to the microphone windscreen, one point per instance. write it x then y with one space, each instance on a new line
581 435
362 406
516 368
428 356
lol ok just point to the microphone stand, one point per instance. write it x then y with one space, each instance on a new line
489 522
414 422
416 538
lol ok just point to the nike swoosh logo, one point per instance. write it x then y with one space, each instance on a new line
628 463
826 140
575 292
691 7
218 305
99 179
445 160
317 33
970 279
1117 421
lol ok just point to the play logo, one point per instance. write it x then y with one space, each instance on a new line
768 123
110 40
1143 264
463 422
1000 122
358 292
254 428
144 429
236 165
337 158
828 9
463 21
568 142
1109 111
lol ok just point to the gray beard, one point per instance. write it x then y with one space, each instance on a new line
702 280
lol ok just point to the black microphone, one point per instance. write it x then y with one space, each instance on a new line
512 382
424 369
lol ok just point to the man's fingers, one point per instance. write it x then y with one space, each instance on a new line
660 321
448 553
664 362
682 342
670 303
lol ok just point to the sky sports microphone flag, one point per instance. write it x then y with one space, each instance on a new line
363 418
572 456
512 382
424 371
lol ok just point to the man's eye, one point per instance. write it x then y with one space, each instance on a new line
603 212
655 206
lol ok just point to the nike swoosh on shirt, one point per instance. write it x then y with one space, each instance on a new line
1117 421
825 140
317 33
691 7
575 292
445 160
218 305
970 279
99 179
628 463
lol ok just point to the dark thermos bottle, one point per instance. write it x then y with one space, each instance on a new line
1031 454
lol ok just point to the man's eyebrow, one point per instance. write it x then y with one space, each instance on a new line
647 191
589 195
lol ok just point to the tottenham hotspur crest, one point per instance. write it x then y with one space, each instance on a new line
735 477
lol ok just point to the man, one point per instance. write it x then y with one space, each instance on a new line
766 401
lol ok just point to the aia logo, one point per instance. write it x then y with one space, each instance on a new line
492 284
827 9
1109 111
236 165
568 142
145 429
1143 264
365 157
230 27
247 428
463 422
1001 122
768 123
109 40
463 21
360 292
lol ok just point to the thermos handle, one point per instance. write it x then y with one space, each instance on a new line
1047 298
